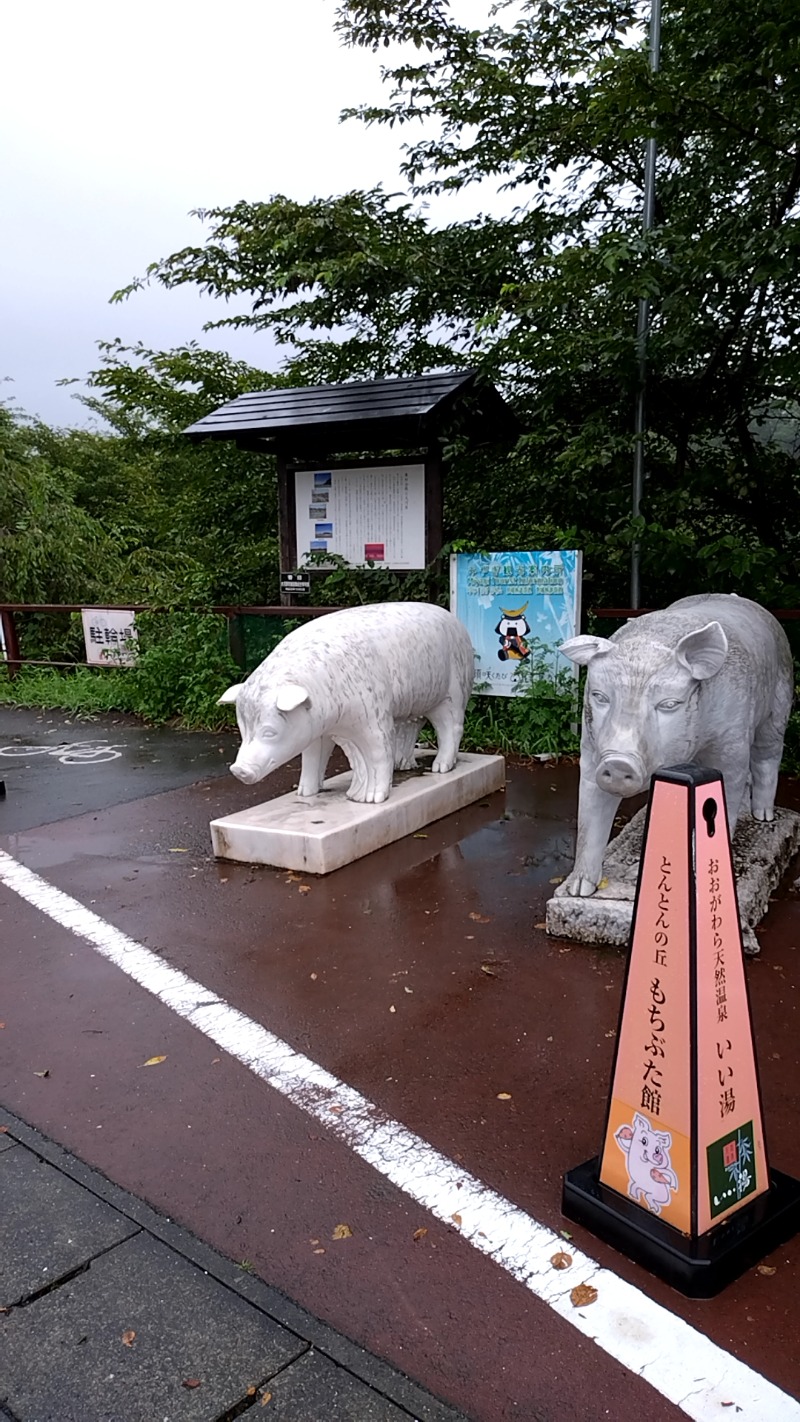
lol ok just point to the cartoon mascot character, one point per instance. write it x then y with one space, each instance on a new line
512 630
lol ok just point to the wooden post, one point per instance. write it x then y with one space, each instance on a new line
434 504
236 641
286 520
13 661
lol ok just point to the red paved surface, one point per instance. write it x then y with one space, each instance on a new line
202 1139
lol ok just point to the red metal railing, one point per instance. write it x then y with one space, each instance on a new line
15 660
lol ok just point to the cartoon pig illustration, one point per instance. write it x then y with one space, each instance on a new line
364 678
708 679
650 1174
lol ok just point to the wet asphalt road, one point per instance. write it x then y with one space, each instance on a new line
379 973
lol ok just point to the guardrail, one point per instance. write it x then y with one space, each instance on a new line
14 659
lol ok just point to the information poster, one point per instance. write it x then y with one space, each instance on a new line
372 515
517 608
110 636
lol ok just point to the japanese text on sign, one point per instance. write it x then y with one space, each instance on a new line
652 1078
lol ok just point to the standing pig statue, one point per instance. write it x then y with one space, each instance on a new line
364 679
708 679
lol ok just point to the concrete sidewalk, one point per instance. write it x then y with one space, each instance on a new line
112 1313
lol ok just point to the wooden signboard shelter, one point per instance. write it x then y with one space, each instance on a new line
356 426
682 1182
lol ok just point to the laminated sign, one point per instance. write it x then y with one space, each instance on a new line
682 1181
110 636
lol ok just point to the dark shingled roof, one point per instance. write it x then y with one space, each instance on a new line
403 411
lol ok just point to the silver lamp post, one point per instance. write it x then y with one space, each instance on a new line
643 317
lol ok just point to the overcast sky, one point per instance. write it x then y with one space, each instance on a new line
117 117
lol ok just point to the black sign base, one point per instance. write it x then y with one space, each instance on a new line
698 1268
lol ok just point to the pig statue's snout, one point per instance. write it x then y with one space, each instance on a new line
245 773
621 774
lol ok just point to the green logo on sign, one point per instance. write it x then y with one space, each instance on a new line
731 1169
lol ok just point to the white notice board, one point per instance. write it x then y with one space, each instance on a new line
368 515
111 637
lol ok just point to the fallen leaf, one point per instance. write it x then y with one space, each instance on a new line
392 1009
559 879
251 1392
42 1073
319 1251
419 836
179 851
154 1061
313 977
540 925
565 1234
767 1270
303 889
504 1095
561 1260
479 918
128 1337
603 884
488 970
265 1398
292 878
342 1231
3 1130
215 1061
582 1295
456 1219
420 1233
2 1025
191 1382
336 1110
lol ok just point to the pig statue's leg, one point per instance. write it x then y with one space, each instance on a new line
596 811
767 751
372 759
313 764
735 772
357 789
449 728
405 740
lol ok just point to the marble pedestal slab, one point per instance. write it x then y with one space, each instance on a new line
321 834
761 854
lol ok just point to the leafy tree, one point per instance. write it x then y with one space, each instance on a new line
50 550
208 511
553 100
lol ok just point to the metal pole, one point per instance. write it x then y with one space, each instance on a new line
643 315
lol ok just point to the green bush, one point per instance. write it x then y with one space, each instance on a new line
184 666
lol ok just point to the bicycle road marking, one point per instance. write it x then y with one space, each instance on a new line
681 1363
68 752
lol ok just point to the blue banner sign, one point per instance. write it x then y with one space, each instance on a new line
517 608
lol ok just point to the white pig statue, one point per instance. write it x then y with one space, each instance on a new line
364 679
708 679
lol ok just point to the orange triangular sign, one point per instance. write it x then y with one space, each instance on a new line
683 1152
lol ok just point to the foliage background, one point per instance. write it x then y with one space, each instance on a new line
551 101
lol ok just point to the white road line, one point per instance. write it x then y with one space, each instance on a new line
677 1360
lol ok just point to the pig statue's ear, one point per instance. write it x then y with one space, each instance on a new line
703 652
583 649
232 694
289 696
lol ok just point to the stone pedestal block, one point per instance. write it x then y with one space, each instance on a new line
324 832
762 852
